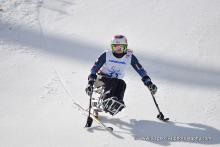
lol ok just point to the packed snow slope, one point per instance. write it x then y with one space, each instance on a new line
47 48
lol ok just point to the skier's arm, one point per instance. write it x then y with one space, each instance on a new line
145 78
98 64
139 69
92 77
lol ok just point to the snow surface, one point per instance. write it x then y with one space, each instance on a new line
47 48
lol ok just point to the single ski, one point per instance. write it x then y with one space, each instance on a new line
109 129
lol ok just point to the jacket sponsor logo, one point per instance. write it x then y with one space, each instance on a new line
119 62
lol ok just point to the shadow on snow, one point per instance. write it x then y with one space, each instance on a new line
165 133
86 52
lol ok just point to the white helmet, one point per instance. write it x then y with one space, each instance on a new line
119 40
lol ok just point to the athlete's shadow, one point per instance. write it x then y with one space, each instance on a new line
165 133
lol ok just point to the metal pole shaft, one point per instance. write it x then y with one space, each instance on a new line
155 103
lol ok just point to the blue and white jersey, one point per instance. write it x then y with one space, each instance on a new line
114 67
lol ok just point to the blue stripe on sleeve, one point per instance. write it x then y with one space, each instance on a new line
138 67
98 64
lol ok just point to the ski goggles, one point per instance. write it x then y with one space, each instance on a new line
120 48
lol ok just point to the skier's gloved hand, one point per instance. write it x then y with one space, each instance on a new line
89 87
147 82
153 88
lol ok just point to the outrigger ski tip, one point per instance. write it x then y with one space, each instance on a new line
160 116
110 129
165 119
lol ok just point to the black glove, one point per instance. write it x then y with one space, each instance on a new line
152 87
89 87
